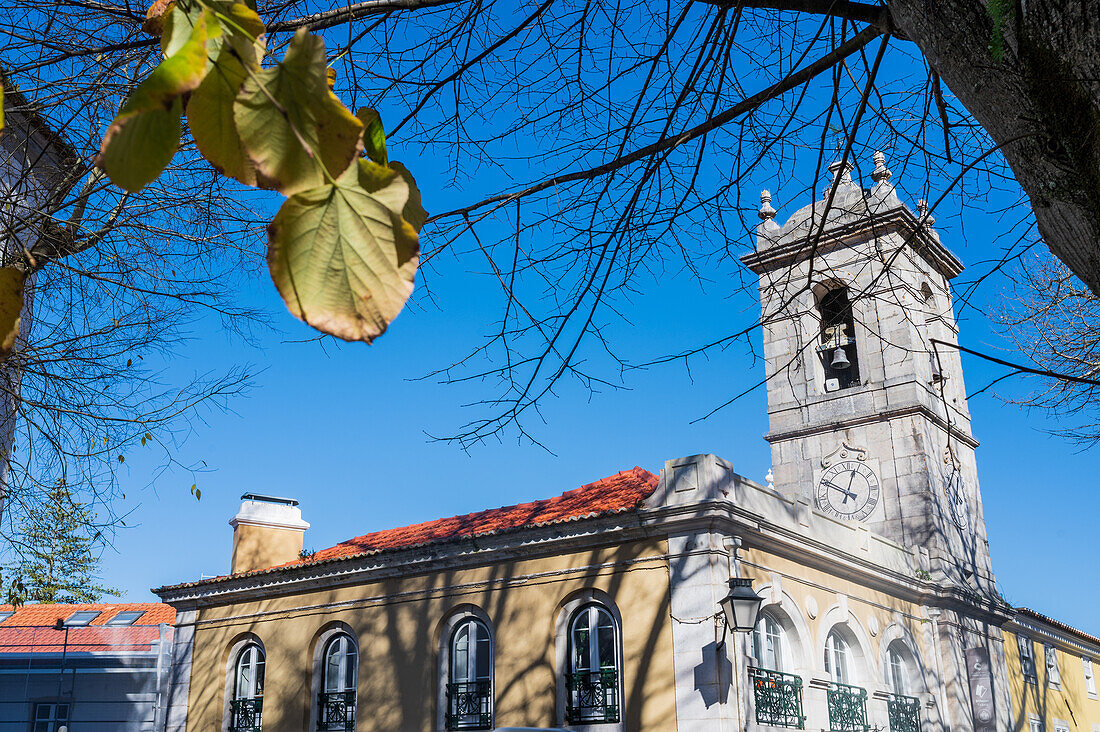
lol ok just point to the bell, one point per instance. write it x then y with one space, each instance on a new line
840 360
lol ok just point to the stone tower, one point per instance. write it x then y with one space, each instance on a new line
868 420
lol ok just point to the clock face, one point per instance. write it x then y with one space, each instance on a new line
848 490
955 489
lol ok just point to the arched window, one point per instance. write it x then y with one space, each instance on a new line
246 706
838 658
769 644
336 703
838 342
593 678
897 672
470 677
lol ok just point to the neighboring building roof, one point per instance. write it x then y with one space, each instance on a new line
618 493
1057 624
31 628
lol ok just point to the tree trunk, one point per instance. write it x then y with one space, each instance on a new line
1040 102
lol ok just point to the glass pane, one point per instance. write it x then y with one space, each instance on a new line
333 665
259 691
482 654
351 666
605 634
581 647
62 712
42 711
243 686
460 655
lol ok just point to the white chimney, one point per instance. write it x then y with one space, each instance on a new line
267 531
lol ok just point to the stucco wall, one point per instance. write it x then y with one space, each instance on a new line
398 624
1068 702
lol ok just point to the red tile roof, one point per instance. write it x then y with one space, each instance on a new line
1057 624
620 492
617 493
30 629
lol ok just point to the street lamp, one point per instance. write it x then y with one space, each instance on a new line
741 605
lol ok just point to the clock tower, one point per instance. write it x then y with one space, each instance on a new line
868 420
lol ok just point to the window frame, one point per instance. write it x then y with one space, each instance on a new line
86 617
783 658
54 720
1027 659
237 652
895 663
344 642
113 621
834 655
448 629
1050 661
472 652
1089 672
594 609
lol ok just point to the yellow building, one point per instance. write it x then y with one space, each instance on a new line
598 610
1052 673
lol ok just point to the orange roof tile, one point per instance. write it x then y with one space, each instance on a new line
617 493
30 629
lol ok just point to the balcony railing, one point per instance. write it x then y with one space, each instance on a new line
593 697
246 715
904 713
847 708
337 711
470 705
778 698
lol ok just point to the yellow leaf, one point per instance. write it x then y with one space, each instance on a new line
144 136
307 132
210 117
343 260
11 307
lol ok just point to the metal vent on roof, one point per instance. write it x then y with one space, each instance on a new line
269 499
5 615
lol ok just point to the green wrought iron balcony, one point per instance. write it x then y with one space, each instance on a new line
778 698
337 711
593 697
847 708
246 715
470 705
904 713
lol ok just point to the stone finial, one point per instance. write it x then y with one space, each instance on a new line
881 173
770 479
925 216
766 213
841 170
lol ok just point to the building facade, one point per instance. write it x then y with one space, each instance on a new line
598 609
1053 670
85 668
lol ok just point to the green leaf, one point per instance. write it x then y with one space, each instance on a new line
11 307
210 117
374 137
343 259
144 136
295 129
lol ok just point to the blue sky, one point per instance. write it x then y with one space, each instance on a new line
344 428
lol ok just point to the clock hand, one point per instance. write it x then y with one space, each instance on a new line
847 494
